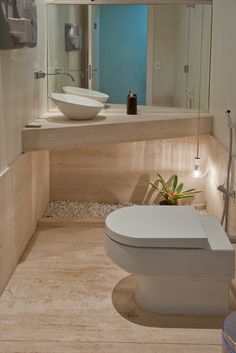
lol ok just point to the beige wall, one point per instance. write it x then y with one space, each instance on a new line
24 190
217 157
120 172
223 74
24 179
223 88
21 97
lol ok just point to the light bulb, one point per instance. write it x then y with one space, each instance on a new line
197 170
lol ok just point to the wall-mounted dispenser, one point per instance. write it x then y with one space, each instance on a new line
18 24
73 37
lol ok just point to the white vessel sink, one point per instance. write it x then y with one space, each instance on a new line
87 93
76 107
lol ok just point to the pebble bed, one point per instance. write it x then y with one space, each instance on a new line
76 209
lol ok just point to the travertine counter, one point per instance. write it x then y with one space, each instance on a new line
112 125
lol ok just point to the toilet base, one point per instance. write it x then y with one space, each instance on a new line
183 296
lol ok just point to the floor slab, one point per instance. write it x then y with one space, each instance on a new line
67 296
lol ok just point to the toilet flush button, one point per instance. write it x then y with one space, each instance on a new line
157 226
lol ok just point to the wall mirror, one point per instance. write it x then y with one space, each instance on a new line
161 52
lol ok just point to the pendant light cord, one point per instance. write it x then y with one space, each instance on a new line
188 54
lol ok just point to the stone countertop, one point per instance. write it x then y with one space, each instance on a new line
113 125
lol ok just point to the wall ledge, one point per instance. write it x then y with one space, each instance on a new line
114 126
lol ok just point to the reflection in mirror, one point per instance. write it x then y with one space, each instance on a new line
161 52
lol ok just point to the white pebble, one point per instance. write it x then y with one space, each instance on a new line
81 209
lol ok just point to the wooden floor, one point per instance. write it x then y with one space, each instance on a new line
66 296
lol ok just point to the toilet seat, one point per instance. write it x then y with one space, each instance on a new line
157 226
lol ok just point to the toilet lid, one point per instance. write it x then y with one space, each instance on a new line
157 226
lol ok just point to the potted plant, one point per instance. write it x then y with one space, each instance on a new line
172 191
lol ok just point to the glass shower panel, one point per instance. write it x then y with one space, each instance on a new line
171 55
181 59
206 57
181 66
194 56
199 57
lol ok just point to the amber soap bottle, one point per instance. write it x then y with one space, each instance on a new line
131 103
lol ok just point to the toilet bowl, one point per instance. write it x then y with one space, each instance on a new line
183 262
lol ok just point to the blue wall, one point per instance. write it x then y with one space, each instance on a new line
123 47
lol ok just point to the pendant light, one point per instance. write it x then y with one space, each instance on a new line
197 173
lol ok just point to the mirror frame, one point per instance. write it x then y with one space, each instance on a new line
129 2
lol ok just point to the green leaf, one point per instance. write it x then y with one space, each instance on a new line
184 196
153 185
179 188
163 183
174 183
191 193
164 193
189 190
173 192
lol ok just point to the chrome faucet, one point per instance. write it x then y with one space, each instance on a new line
41 74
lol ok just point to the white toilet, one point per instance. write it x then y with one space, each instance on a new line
183 262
